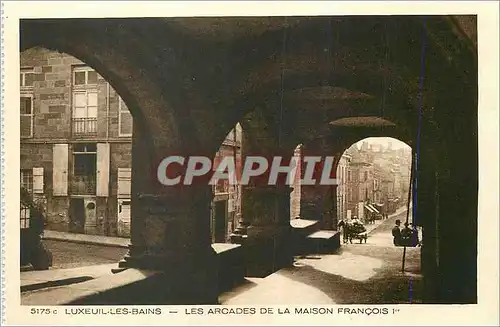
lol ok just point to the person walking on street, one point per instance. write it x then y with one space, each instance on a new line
342 224
396 233
406 235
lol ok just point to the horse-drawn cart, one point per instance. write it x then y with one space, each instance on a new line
357 231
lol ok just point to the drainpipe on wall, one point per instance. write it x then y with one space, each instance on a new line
108 92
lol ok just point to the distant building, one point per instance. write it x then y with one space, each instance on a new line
343 175
76 135
379 176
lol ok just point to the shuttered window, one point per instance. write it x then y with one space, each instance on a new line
38 180
124 182
27 180
102 169
26 113
124 120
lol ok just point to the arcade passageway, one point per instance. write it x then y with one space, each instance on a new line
323 82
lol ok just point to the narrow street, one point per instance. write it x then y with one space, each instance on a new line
358 274
368 273
382 234
73 255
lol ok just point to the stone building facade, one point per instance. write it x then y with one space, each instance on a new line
379 179
75 151
343 178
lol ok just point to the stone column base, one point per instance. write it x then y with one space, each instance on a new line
188 278
268 249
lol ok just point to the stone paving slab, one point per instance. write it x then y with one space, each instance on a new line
359 274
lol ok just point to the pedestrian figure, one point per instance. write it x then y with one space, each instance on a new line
414 235
406 234
396 233
345 234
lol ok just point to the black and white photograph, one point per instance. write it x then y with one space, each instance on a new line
319 161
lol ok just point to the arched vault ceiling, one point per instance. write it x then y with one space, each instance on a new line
230 28
213 70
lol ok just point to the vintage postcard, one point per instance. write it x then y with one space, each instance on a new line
250 163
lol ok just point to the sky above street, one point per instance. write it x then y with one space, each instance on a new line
384 141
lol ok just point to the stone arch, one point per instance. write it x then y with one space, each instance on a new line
352 65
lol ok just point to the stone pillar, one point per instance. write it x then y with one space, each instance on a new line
268 133
427 212
141 163
319 202
456 181
312 202
268 248
170 231
334 219
457 230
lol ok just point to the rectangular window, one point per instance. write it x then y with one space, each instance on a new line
84 112
27 180
83 76
124 119
84 101
25 215
83 181
26 112
26 78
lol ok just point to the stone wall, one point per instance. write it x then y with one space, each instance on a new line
52 113
52 93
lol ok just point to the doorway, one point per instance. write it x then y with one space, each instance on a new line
220 222
77 215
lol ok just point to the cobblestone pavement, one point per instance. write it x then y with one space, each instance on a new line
359 274
72 255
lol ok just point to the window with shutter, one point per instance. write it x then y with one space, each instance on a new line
38 180
102 169
27 180
124 182
124 120
26 112
83 179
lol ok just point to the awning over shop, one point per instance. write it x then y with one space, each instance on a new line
369 209
374 209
